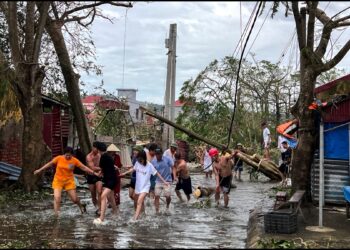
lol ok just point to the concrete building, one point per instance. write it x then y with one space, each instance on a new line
134 106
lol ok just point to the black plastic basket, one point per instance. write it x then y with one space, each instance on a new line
281 221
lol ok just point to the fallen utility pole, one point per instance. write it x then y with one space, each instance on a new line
186 131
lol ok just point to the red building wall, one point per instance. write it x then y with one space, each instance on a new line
11 151
55 135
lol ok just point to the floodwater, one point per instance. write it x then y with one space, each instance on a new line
183 226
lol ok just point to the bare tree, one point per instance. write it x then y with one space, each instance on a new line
312 64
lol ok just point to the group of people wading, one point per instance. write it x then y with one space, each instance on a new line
152 174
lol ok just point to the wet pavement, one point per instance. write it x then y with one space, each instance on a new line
183 226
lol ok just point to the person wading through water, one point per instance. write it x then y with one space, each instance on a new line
109 181
151 155
144 170
238 163
135 152
95 182
223 174
64 178
165 167
207 163
182 178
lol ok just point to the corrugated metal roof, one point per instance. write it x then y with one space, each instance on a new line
50 99
338 113
13 171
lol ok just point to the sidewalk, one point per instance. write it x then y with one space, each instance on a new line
333 217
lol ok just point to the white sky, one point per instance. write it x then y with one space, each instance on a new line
206 31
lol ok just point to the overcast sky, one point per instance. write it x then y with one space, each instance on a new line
205 31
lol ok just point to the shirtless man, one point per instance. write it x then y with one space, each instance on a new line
182 178
223 174
95 182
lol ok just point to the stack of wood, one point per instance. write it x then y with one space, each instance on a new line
267 167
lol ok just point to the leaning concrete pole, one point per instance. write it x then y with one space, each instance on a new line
168 132
173 78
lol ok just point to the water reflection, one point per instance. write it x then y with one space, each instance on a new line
183 226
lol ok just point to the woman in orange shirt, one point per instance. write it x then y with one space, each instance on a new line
64 178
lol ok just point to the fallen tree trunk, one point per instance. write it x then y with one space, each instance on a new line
179 127
268 168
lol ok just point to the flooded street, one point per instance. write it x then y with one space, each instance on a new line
184 226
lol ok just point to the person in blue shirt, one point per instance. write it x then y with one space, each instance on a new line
165 167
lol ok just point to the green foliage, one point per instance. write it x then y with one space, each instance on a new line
20 196
277 189
263 92
276 244
253 174
206 203
111 123
15 244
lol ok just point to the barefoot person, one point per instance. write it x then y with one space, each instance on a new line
144 170
223 174
109 181
64 178
165 167
95 182
182 178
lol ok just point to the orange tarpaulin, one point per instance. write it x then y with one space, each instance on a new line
315 105
288 129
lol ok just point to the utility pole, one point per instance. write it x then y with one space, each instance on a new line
169 98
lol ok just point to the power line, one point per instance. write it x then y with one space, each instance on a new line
237 79
240 18
258 33
243 36
335 42
286 48
126 15
244 32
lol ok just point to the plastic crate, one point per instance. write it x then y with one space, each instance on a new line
281 221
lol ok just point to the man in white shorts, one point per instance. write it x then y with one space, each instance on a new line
165 167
